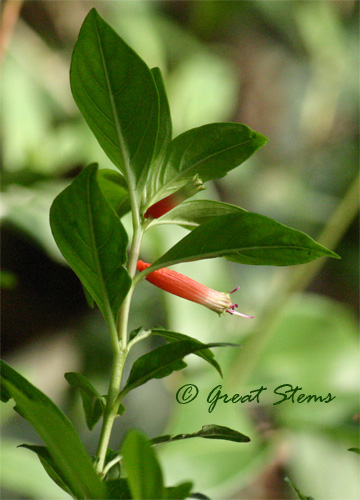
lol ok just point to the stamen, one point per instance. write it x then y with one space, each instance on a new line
236 289
239 314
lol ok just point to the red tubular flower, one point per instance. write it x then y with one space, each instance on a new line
173 200
187 288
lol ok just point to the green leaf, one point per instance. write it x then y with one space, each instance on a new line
88 297
136 332
142 468
118 489
121 409
93 241
247 238
179 492
210 151
191 214
114 189
162 361
165 128
205 354
208 432
93 403
163 139
297 491
199 496
69 458
355 450
116 93
115 471
49 465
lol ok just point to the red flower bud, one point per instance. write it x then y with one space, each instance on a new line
173 200
187 288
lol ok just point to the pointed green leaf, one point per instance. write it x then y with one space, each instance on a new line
179 492
114 188
70 460
247 238
142 468
153 183
49 465
93 241
210 151
221 432
208 432
191 214
206 354
355 450
162 361
116 93
93 403
199 496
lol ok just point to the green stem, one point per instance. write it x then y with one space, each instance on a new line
120 353
294 280
111 408
125 307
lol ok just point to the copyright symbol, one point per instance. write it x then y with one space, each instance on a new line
186 394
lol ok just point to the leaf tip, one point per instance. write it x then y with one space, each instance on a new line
335 256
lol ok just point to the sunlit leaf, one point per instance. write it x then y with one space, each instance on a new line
247 238
210 151
193 213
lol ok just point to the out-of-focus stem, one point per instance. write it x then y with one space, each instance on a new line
10 14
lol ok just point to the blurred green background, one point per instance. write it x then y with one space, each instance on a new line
287 69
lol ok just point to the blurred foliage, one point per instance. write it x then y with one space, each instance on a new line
288 70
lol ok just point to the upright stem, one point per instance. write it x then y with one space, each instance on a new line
111 408
125 307
120 353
